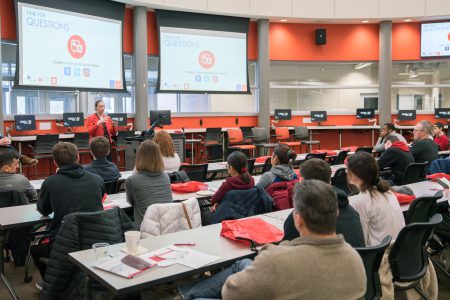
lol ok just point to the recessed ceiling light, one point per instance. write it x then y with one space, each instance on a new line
365 21
408 20
283 20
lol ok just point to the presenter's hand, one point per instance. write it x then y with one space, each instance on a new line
5 141
101 121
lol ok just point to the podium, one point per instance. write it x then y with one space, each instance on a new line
132 145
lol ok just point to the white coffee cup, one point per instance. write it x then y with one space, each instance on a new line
132 241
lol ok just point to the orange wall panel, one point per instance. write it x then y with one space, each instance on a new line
152 34
252 42
128 31
7 12
406 41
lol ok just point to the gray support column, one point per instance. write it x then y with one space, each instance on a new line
140 67
1 91
263 74
385 72
83 103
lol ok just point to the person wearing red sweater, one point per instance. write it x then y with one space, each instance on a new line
239 178
439 136
99 124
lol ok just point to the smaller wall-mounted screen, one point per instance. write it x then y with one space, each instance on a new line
442 113
283 114
365 113
25 122
435 40
73 119
406 115
318 116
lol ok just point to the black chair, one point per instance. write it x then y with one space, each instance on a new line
339 180
322 156
302 134
247 134
250 165
213 138
196 172
81 140
43 148
111 187
364 149
372 257
408 258
120 144
340 158
422 208
261 139
413 173
267 165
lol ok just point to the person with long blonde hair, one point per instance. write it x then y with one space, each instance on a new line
170 157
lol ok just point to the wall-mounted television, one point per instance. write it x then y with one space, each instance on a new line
365 113
282 114
318 116
435 39
406 115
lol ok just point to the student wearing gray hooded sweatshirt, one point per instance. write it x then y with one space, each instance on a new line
281 167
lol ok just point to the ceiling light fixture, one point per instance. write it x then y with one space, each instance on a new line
283 20
365 21
408 20
362 65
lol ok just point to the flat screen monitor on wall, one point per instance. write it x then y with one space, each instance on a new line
406 115
162 115
435 39
202 53
365 113
442 113
282 114
73 119
318 116
70 44
25 122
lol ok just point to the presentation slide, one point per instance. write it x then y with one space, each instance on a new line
202 60
66 49
435 40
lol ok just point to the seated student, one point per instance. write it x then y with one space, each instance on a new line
396 157
424 149
439 136
5 144
387 130
71 189
100 165
150 184
169 155
347 223
378 208
10 180
309 267
240 178
281 167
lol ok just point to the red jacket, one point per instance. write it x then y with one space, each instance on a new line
231 183
97 130
442 142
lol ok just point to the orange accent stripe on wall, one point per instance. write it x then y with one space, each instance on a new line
406 41
252 41
128 31
152 34
8 14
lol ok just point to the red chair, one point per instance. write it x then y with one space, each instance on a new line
284 137
236 142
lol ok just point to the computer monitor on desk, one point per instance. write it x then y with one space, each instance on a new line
73 119
406 115
442 113
162 115
282 114
365 113
318 116
25 122
119 119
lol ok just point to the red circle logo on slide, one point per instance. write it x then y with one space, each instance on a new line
448 36
76 46
206 59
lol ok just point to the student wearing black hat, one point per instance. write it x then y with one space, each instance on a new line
439 136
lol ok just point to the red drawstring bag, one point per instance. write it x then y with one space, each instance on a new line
438 175
328 152
261 159
350 148
188 187
404 199
253 230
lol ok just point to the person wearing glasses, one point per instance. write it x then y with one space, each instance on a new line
424 149
439 136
